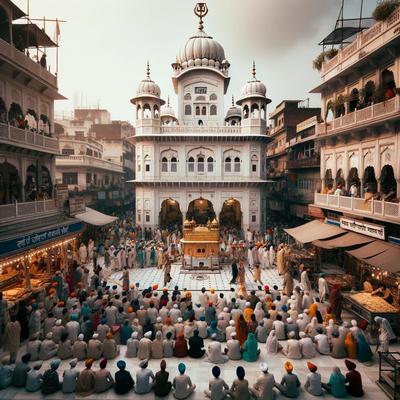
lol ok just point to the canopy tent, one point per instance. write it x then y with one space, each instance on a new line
369 250
349 239
30 35
96 218
314 230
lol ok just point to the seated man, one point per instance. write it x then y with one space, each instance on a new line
196 345
217 387
214 353
103 379
290 383
182 384
292 348
313 383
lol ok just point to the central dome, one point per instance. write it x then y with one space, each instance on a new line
201 50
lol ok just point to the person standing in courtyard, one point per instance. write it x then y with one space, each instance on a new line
242 271
235 272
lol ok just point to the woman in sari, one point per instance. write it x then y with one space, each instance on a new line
241 329
351 346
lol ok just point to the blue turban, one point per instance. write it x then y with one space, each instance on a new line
74 317
216 371
182 368
284 308
240 372
34 306
103 321
54 364
121 364
213 324
202 318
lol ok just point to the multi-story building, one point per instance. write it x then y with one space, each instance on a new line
117 148
200 165
83 165
359 136
284 118
303 164
32 225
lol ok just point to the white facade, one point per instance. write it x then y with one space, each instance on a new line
201 153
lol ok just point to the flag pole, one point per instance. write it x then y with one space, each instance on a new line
57 47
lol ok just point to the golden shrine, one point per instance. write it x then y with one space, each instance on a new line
200 245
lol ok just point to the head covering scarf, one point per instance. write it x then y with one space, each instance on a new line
288 366
121 364
272 343
182 368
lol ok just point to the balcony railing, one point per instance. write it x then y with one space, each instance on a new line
365 42
300 195
13 212
84 160
201 129
27 139
8 51
378 209
360 118
307 162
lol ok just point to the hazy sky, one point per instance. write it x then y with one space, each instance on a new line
105 44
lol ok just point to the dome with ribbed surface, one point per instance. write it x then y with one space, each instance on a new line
167 110
148 88
253 88
233 111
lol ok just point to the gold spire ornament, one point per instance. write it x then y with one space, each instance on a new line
201 10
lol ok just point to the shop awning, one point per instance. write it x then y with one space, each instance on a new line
314 230
349 239
369 250
93 217
387 260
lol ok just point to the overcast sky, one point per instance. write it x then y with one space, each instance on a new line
105 44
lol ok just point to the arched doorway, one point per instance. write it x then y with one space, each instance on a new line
170 216
231 214
31 189
201 211
10 184
388 183
340 181
370 184
353 179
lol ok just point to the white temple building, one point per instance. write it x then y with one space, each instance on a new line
201 163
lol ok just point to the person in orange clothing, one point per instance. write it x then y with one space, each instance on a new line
241 329
247 312
313 310
328 316
351 346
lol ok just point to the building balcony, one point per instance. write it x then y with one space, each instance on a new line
307 162
365 43
377 209
360 119
88 161
18 212
9 52
272 173
201 129
27 139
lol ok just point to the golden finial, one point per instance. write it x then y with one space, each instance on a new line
254 69
201 11
148 70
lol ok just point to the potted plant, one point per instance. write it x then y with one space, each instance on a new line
322 57
384 9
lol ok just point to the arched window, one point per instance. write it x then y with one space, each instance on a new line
200 123
174 164
388 84
138 112
204 110
213 97
237 164
213 109
228 164
246 111
146 111
329 111
255 111
200 164
188 96
210 164
147 164
188 109
197 110
254 162
164 164
191 164
156 111
263 112
354 99
369 90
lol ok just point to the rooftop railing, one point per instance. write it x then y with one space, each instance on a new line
83 160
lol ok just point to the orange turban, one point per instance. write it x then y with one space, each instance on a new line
288 366
109 335
89 363
130 309
312 367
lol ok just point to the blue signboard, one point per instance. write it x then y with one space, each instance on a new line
35 239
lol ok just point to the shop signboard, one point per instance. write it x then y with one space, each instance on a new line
61 193
76 205
365 228
38 238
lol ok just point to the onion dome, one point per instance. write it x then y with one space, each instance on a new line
167 110
201 50
214 224
253 88
148 88
233 111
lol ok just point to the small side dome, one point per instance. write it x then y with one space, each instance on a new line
148 88
253 88
167 110
233 111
